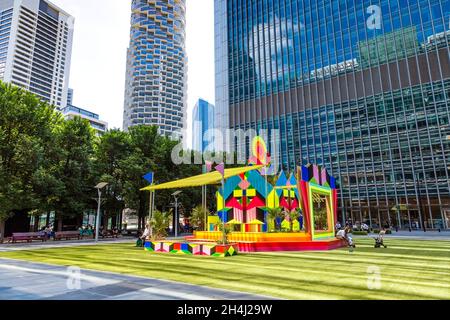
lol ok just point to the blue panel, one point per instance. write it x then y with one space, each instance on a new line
305 174
230 185
258 182
332 183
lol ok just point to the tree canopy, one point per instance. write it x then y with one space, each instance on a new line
48 164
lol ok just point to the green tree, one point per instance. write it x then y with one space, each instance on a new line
144 147
110 152
75 139
27 127
152 152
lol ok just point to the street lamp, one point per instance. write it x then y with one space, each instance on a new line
175 227
99 188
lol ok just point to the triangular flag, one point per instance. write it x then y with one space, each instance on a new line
221 168
149 177
209 166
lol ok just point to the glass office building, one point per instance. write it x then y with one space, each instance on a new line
359 86
203 122
155 92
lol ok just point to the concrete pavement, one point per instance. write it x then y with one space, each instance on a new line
21 280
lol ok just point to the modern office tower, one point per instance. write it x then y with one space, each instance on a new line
71 111
36 47
361 87
203 126
155 90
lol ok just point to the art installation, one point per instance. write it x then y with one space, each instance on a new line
296 213
192 248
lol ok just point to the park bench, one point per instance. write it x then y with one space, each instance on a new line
67 235
29 237
110 234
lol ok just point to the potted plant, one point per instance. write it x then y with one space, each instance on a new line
198 217
159 225
272 215
294 215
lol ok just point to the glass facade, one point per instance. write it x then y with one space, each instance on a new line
155 91
203 120
362 87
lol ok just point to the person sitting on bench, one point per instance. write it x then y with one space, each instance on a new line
147 234
344 235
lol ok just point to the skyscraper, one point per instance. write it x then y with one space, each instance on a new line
203 121
361 87
155 90
36 48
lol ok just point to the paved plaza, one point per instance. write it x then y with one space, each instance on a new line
20 280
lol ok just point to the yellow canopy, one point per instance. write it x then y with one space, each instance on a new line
202 180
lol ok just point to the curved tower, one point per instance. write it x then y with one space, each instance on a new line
155 90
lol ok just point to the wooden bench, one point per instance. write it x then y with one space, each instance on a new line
110 234
29 237
67 235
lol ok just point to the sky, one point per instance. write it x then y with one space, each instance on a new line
101 39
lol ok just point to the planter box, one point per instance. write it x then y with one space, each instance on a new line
193 248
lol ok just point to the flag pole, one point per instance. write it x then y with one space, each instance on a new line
221 168
223 211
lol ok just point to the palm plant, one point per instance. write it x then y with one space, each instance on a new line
294 215
272 215
159 224
198 217
226 232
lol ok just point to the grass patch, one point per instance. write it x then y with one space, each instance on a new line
410 269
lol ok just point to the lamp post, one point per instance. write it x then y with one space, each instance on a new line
175 226
99 188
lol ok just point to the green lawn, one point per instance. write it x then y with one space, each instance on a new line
410 269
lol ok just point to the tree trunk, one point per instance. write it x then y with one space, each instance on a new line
104 222
79 221
59 222
2 230
36 223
